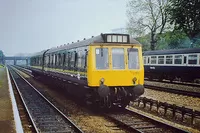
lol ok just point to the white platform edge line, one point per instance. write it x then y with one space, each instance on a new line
17 119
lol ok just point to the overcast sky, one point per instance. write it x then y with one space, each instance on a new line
28 26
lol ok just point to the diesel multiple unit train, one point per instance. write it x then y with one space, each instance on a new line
180 64
106 70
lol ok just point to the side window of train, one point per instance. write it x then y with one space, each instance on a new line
178 59
192 59
169 59
153 59
72 61
199 59
75 61
64 57
54 59
85 56
161 59
145 60
68 60
49 60
79 53
148 60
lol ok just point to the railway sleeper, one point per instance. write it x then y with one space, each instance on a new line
171 107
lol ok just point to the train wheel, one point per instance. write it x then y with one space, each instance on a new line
105 103
124 103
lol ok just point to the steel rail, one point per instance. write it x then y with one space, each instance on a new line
172 90
177 83
56 111
140 123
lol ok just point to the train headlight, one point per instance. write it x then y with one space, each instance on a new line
102 80
134 80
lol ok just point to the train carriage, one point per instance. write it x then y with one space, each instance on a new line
177 64
107 69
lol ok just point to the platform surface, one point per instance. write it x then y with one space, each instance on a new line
7 124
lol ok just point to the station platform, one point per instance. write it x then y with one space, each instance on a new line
9 115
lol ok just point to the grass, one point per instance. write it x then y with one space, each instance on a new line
1 65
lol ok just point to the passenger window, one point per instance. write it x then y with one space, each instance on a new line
178 59
101 58
160 59
153 59
199 59
145 60
169 59
192 59
118 58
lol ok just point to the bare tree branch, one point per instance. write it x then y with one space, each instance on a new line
150 15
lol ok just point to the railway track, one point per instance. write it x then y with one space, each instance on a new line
135 122
44 116
173 90
177 83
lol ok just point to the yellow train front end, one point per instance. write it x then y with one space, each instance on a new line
117 71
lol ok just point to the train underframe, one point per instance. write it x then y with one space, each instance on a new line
172 77
100 97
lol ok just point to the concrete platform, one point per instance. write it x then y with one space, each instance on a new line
9 116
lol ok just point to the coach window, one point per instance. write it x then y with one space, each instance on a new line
64 57
72 61
59 60
114 38
145 60
133 58
178 59
79 53
101 58
118 58
169 59
199 59
153 59
160 59
192 59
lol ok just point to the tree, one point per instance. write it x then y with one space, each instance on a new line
147 16
185 14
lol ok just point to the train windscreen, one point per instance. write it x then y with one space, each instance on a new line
133 58
101 58
118 58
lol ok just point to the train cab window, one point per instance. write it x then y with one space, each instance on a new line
192 59
101 58
178 59
169 59
118 58
153 59
161 59
133 58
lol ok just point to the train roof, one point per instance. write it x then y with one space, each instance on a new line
39 53
172 51
97 39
